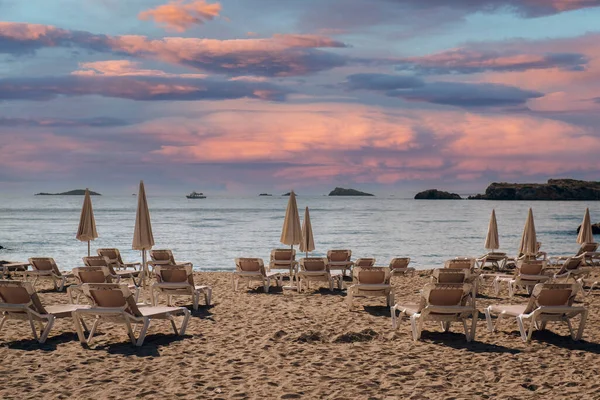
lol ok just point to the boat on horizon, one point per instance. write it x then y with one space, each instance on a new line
196 195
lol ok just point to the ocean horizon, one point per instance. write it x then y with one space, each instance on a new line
211 232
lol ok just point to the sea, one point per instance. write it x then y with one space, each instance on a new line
212 232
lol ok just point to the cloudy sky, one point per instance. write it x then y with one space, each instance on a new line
247 96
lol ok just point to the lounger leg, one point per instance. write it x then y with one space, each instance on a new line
130 332
143 332
195 300
78 328
446 326
522 328
582 321
331 284
208 295
416 325
511 289
266 284
172 320
184 323
93 330
46 330
474 318
390 299
394 317
496 286
488 319
350 298
2 321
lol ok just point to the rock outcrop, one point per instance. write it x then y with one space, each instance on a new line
555 189
434 194
595 228
266 194
77 192
338 191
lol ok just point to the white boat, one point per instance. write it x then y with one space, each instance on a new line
196 195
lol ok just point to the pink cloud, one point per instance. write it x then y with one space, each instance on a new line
125 68
179 15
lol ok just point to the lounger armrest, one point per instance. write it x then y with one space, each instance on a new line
161 262
171 285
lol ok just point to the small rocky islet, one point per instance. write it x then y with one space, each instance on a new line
76 192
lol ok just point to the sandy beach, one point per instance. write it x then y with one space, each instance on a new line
249 344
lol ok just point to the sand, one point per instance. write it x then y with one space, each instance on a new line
287 345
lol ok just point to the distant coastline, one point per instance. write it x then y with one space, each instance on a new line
554 189
76 192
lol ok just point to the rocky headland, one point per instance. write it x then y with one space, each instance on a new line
554 189
338 191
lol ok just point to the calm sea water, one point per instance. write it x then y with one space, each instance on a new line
212 232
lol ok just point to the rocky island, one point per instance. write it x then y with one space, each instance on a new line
265 194
77 192
555 189
434 194
338 191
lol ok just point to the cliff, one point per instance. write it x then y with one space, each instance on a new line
348 192
434 194
555 189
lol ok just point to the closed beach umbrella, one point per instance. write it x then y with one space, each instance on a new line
491 240
87 223
585 232
308 242
528 244
142 235
291 233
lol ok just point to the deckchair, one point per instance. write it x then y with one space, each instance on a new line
98 274
583 249
539 255
528 274
164 257
339 260
316 269
548 302
114 302
114 256
399 266
496 260
364 262
451 275
283 259
440 302
19 301
253 269
178 280
101 261
370 281
46 268
461 263
573 267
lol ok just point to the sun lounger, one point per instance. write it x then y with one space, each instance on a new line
440 302
114 302
461 263
114 256
495 260
339 260
99 274
18 301
283 259
364 262
101 261
399 266
548 302
178 280
583 249
316 269
451 275
370 281
253 269
528 274
164 257
46 268
573 267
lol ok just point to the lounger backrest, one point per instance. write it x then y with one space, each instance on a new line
530 267
20 292
552 294
250 265
162 255
446 294
282 256
587 247
44 264
113 255
92 274
313 264
174 274
339 255
111 295
371 275
460 263
99 261
449 275
399 263
364 262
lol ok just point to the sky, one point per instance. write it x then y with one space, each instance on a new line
250 96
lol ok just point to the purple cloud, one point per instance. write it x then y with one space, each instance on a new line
372 81
473 60
141 89
97 122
